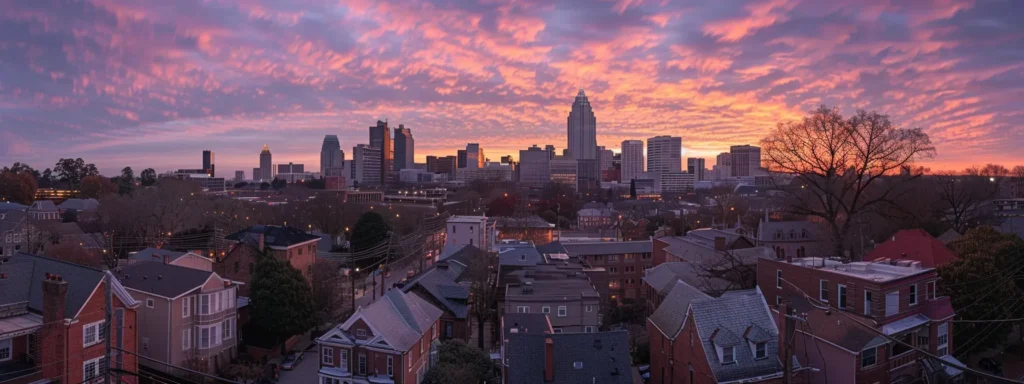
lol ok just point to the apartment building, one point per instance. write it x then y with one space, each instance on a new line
569 300
622 264
477 231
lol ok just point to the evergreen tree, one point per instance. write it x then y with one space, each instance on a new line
281 301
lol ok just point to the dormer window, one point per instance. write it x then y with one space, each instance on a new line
728 355
803 234
760 350
778 235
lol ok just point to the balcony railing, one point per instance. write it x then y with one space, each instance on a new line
907 358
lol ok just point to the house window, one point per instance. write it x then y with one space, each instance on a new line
563 311
186 307
186 339
92 333
588 329
943 340
5 349
149 303
929 290
892 303
545 309
391 365
728 355
300 251
613 269
589 308
913 294
448 329
823 291
228 326
867 302
453 230
868 357
523 309
778 278
328 356
204 338
361 333
94 368
841 293
362 364
760 350
204 304
778 300
237 266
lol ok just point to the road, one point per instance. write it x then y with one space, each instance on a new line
365 298
305 372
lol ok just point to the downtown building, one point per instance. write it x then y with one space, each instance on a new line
380 138
632 159
404 148
331 155
582 129
695 167
266 166
366 166
746 160
208 165
664 154
534 166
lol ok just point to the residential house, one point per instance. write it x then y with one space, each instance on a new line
43 210
792 238
726 253
477 231
54 327
14 233
179 258
913 245
623 262
284 243
699 339
569 358
391 341
188 317
516 324
634 230
898 298
569 299
588 219
662 279
440 287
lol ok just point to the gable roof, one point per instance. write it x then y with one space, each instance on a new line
156 254
726 322
26 272
608 248
917 245
670 316
949 236
440 285
80 204
161 279
43 205
525 323
10 205
402 319
602 357
273 235
10 220
520 256
766 230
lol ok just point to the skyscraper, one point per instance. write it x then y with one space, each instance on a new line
208 163
366 167
461 157
380 137
695 167
331 155
266 167
534 167
474 156
582 126
632 159
551 151
723 166
664 154
746 160
239 176
404 148
605 157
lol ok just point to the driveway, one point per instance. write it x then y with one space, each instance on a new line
306 372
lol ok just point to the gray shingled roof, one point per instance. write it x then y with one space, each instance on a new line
551 248
25 275
520 256
665 275
162 279
608 248
671 314
726 321
439 284
80 204
525 323
43 205
10 220
401 318
603 358
273 235
11 206
155 254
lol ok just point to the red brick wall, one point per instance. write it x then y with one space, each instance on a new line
377 361
92 311
244 255
671 361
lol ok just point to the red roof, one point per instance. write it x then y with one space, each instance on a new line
917 245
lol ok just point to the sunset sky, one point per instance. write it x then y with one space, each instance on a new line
151 83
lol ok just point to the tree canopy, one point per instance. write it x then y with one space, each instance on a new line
96 187
281 302
458 363
369 231
126 182
147 177
17 187
74 171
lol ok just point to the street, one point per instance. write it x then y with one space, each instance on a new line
305 372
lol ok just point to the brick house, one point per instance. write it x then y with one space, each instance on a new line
285 243
792 238
624 263
913 244
391 341
53 323
440 286
897 297
187 318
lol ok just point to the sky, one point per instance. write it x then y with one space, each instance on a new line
151 83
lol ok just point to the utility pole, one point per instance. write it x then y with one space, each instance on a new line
790 326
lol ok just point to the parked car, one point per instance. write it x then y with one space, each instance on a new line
291 360
991 366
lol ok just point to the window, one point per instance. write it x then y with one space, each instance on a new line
300 251
362 363
557 330
204 338
563 311
204 304
613 269
453 229
523 309
760 350
728 355
942 349
186 307
868 357
94 368
227 328
913 294
327 356
613 258
588 329
589 308
823 291
449 328
215 299
92 333
778 278
361 333
5 349
186 339
545 309
841 293
630 269
867 302
892 303
149 303
929 290
391 365
237 265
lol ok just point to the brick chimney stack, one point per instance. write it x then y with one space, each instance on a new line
53 335
720 243
549 359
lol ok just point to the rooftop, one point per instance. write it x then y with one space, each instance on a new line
161 279
567 288
273 235
525 323
579 358
879 271
913 245
467 219
608 248
398 320
25 273
734 320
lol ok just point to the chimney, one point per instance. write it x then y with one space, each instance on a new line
789 258
549 359
720 243
260 240
167 259
55 291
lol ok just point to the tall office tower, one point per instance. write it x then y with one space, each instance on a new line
588 174
256 172
582 126
534 166
746 160
331 155
432 164
447 165
239 176
474 156
266 167
208 163
664 154
461 156
632 159
605 157
551 151
404 148
380 137
366 165
723 166
695 167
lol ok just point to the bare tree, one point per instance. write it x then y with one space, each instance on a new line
960 199
483 291
728 271
326 284
841 163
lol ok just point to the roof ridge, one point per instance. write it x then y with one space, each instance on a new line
62 262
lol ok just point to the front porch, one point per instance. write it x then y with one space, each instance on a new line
331 375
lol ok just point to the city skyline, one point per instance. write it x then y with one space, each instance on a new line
142 85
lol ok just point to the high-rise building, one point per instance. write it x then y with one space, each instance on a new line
474 156
446 165
331 155
676 183
746 160
723 166
605 157
266 166
208 166
564 170
432 164
695 167
632 159
588 174
256 174
461 157
380 138
582 126
239 176
405 146
534 167
664 154
366 165
551 151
